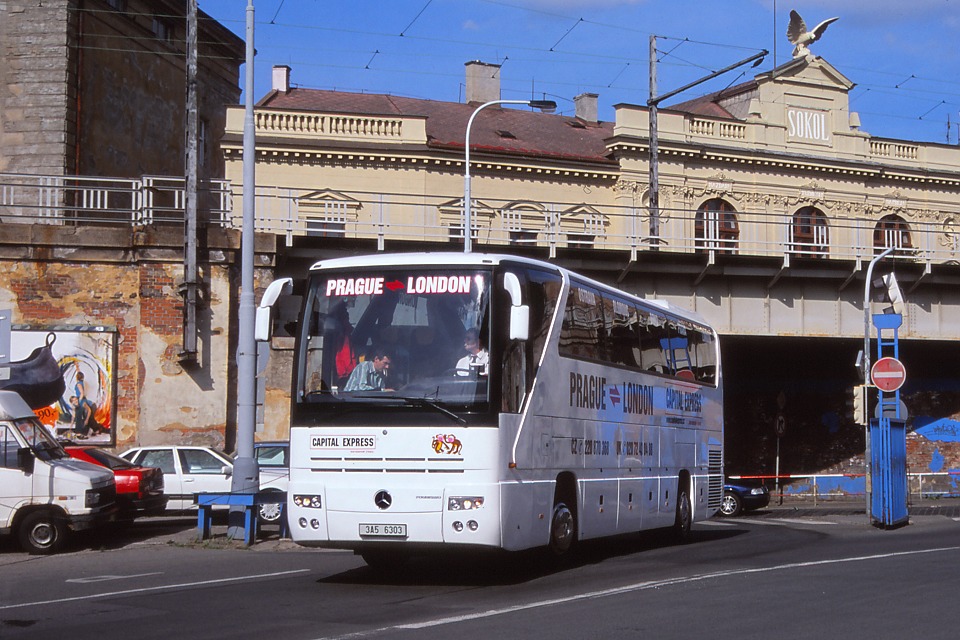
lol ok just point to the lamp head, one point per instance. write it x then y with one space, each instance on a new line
546 106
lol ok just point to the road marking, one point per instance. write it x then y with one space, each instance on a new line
108 578
631 588
128 592
779 521
717 523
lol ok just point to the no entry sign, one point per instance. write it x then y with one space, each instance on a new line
888 374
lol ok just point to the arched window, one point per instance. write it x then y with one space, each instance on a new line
891 231
809 234
716 227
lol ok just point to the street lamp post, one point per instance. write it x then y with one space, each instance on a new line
543 105
245 470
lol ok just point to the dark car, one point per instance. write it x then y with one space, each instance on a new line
139 489
738 497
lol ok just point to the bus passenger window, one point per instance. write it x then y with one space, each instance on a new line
623 340
582 333
652 329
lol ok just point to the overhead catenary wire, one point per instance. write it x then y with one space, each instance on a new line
571 68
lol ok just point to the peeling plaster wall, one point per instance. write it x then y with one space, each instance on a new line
129 279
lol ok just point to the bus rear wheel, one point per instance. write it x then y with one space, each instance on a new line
563 529
684 519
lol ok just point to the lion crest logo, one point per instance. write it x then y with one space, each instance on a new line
447 443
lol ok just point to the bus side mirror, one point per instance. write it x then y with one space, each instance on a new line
519 312
25 459
519 322
263 328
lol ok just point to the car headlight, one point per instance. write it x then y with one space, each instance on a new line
758 491
464 503
307 501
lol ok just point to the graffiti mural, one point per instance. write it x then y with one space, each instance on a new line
86 356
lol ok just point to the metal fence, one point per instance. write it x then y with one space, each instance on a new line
826 487
95 200
808 233
557 225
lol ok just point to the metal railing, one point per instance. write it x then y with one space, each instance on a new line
826 487
557 225
294 212
96 200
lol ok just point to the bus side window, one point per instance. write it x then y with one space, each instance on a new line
623 341
582 334
652 329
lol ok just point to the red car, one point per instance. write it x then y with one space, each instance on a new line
139 489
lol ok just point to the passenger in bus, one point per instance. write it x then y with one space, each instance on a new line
346 358
477 358
371 375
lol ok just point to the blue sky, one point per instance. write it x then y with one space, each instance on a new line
904 57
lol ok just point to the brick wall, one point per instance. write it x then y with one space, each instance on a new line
129 279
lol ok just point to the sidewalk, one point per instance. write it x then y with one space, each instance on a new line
183 531
857 506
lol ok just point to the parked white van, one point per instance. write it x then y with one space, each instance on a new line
44 493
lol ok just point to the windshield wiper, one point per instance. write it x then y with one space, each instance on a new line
416 401
426 402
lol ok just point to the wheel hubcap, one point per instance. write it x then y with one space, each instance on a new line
728 505
44 535
270 511
561 536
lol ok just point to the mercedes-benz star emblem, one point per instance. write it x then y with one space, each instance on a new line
383 500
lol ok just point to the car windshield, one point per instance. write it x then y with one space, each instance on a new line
44 446
390 336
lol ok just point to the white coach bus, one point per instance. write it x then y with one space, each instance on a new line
475 400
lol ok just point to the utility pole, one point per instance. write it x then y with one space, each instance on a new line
652 105
189 287
654 149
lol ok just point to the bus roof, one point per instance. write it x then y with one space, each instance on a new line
425 258
455 258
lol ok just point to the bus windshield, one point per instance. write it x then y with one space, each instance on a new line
415 335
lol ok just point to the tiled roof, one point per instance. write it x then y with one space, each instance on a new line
709 105
523 131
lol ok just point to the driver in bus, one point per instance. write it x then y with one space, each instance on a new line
371 375
477 358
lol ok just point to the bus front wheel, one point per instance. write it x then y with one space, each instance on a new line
563 529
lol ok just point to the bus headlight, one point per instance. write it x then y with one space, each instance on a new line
464 503
309 502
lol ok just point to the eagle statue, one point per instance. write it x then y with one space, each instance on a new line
798 35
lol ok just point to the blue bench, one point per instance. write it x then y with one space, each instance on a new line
250 503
